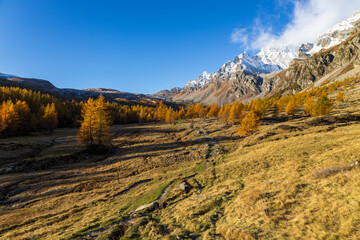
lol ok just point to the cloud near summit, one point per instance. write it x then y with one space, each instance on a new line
309 20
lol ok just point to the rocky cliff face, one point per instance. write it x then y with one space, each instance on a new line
225 88
328 64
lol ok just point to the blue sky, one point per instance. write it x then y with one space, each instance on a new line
133 46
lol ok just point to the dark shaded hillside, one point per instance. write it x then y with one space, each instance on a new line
46 87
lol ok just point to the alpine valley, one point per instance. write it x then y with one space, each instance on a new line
267 147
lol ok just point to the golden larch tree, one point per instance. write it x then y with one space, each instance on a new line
251 123
236 112
14 118
213 112
95 127
182 113
322 106
291 107
49 119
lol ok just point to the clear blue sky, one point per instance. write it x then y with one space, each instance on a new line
134 46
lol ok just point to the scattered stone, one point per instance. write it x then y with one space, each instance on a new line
148 207
199 197
184 186
273 181
354 164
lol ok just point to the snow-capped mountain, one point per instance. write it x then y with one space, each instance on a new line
268 60
278 56
201 81
264 62
336 34
248 63
271 59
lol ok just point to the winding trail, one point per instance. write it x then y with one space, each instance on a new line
162 196
131 187
209 155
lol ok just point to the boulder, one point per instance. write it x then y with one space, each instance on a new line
184 186
148 207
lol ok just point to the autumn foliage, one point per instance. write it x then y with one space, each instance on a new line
49 119
251 123
291 107
322 106
23 111
95 127
14 118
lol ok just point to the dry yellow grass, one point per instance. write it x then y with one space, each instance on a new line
69 198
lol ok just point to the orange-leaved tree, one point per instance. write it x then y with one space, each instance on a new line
49 119
213 112
95 127
291 107
322 106
236 112
251 123
309 106
14 118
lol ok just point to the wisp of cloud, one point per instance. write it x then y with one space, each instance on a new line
309 20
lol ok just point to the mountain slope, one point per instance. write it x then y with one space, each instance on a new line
36 83
325 66
336 34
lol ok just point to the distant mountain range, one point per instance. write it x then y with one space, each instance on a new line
69 93
248 77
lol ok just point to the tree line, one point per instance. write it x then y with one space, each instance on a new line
23 110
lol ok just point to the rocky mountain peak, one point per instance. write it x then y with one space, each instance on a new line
336 34
200 81
278 56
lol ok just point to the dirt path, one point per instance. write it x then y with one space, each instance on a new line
214 149
131 187
162 196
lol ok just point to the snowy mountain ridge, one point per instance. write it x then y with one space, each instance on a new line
271 59
336 34
200 81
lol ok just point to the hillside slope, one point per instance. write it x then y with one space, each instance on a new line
46 87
